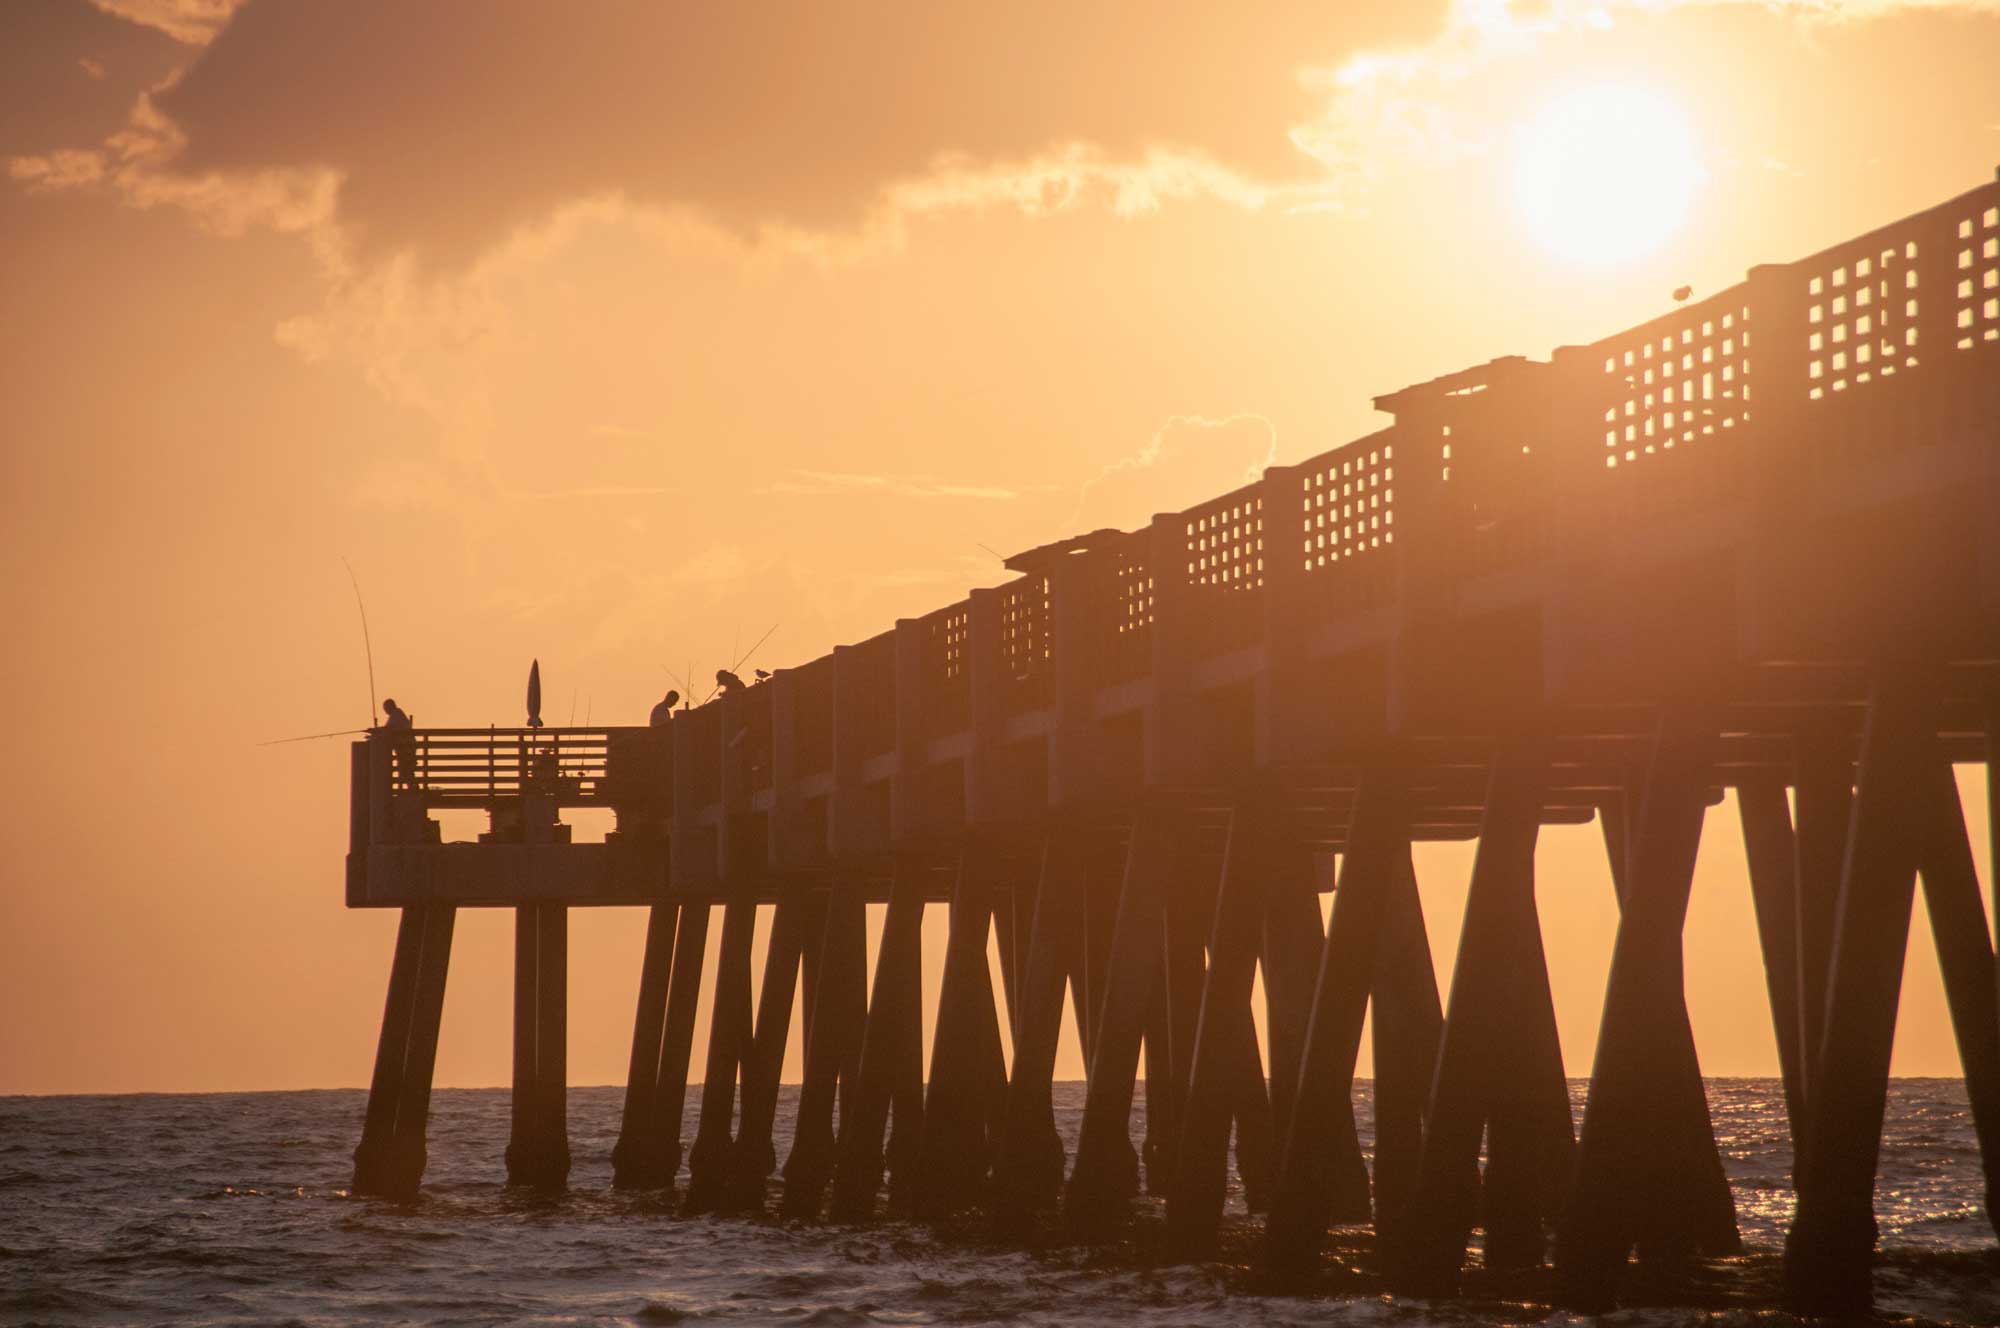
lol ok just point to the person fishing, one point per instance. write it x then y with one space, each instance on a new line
664 711
727 682
402 745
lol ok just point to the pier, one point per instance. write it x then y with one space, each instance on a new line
1752 544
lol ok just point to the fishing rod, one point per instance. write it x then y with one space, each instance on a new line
740 662
366 644
308 737
368 648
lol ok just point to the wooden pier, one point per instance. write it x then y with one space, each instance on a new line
1751 544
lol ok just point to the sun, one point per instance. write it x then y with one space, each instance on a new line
1605 174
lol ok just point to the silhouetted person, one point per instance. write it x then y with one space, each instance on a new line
402 745
727 681
664 711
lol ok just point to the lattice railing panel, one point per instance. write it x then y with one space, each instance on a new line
1976 312
1348 503
1120 607
1677 379
946 670
1225 542
1863 313
1225 566
1024 626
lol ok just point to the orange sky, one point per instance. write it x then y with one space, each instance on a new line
614 338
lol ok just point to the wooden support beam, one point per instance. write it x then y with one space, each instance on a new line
1319 1124
1772 854
1408 1022
391 1157
552 1039
1250 1103
1096 1199
1494 1061
1824 799
906 1127
1646 1154
1194 1203
538 1151
1708 1223
840 1010
1189 922
952 1156
413 1099
521 1102
1105 868
730 1030
636 1157
375 1169
1028 1166
1162 1098
893 1010
1290 943
1992 709
754 1157
1013 916
815 903
1965 960
677 1037
1829 1252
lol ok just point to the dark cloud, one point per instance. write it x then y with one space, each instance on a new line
454 121
69 72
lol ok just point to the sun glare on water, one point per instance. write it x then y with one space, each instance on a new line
1606 174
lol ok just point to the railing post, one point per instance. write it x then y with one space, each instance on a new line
909 812
786 829
681 864
986 684
381 824
844 800
1167 740
1077 664
1291 723
732 780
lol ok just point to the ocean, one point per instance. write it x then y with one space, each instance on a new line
232 1208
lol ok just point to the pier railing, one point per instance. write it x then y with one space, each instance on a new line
479 767
1486 471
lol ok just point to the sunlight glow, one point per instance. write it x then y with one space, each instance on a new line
1605 174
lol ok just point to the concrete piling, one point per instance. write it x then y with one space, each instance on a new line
729 1035
538 1149
833 1044
390 1160
890 1040
1830 1249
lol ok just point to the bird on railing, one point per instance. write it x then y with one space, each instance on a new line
1681 293
763 675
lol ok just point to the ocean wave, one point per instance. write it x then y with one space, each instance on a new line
234 1208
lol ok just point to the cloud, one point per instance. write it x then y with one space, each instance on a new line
69 74
65 168
1189 458
191 21
1384 105
452 123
